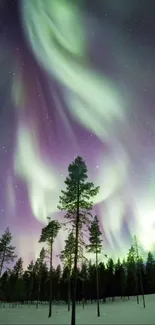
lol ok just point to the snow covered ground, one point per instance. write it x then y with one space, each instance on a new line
117 312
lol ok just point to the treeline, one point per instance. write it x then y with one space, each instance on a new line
41 282
115 279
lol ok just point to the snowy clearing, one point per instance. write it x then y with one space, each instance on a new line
117 312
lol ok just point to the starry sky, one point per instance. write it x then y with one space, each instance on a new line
78 85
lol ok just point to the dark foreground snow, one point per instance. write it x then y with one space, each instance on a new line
117 312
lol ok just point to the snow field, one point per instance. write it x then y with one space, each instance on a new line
117 312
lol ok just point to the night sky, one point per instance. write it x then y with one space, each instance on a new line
77 78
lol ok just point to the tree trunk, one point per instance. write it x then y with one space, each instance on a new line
142 289
32 285
136 280
58 296
83 293
69 292
50 295
97 286
38 295
2 262
75 261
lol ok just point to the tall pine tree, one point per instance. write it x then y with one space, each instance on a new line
17 280
77 201
138 268
48 235
132 280
7 251
95 247
40 261
150 273
67 256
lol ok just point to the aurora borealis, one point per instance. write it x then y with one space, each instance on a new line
77 79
